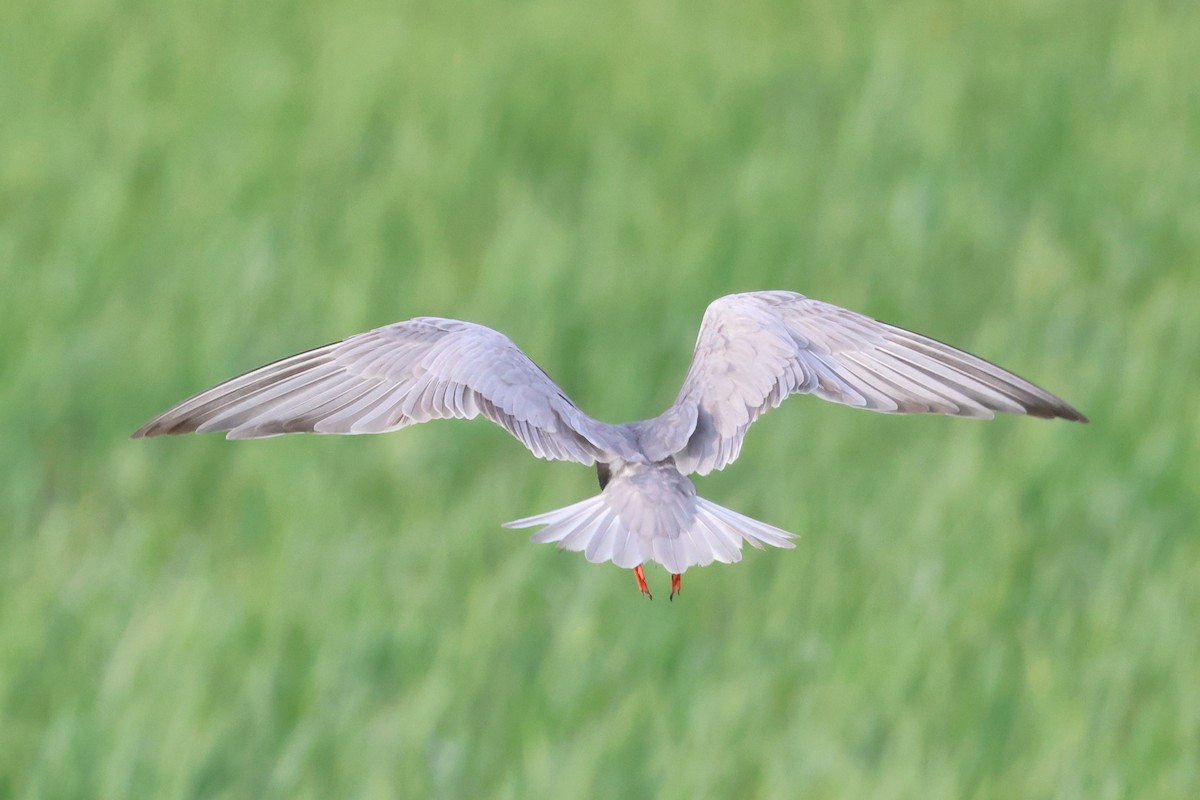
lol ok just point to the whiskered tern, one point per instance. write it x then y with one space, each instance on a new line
753 350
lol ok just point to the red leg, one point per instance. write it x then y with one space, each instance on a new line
641 579
676 582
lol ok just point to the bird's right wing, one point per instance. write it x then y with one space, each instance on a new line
755 349
395 376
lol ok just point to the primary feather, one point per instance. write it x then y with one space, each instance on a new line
757 348
395 376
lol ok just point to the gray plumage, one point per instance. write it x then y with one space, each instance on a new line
753 350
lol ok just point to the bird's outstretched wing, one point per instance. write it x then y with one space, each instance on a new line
755 349
395 376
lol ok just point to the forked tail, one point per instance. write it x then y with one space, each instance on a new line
652 513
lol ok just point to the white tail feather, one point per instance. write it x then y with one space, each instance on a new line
652 513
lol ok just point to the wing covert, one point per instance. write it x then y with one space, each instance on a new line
399 375
755 349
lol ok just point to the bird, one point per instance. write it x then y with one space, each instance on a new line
753 350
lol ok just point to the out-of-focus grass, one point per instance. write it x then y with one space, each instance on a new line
988 610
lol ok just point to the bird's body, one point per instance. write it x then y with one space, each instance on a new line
753 350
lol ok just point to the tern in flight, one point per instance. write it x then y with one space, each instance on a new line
753 350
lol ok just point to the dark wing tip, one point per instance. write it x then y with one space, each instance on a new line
1056 410
1072 415
160 427
145 432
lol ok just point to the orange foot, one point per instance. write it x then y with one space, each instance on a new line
676 582
641 579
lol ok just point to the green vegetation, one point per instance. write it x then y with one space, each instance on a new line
188 190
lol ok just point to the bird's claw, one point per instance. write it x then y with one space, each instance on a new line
641 581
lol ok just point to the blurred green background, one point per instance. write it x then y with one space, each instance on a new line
188 190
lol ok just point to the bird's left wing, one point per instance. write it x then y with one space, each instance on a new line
755 349
395 376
